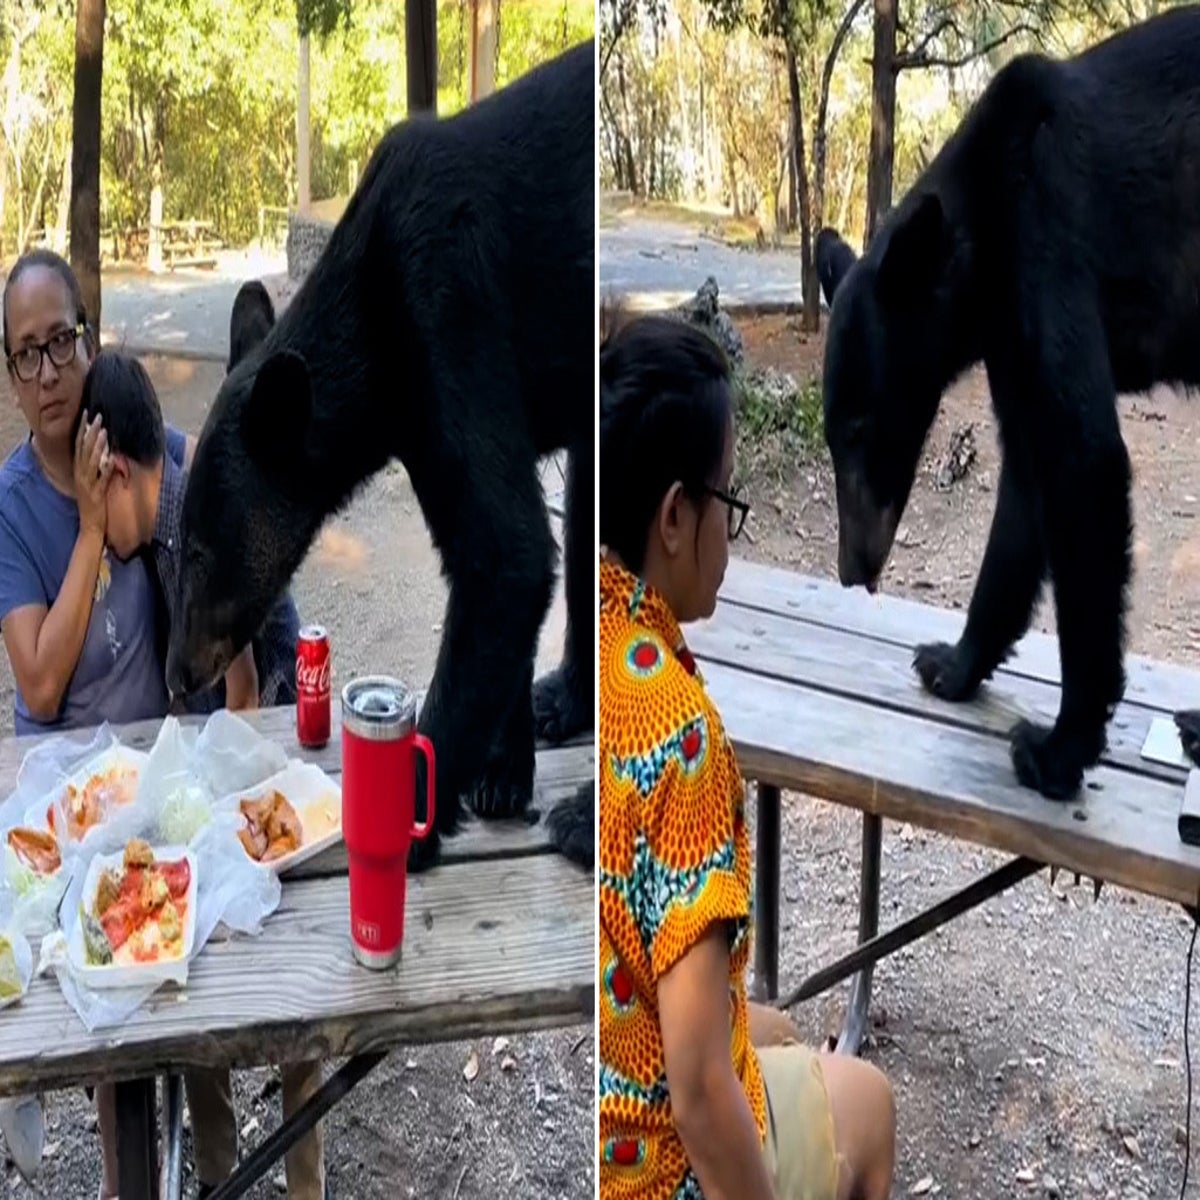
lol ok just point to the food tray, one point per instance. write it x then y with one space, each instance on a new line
136 975
317 800
117 755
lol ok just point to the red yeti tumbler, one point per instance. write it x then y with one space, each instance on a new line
379 772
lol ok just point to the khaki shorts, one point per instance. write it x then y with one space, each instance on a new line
799 1147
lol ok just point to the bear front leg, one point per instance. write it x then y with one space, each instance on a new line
478 712
564 699
1088 534
1006 593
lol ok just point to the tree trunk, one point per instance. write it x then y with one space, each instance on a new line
303 111
85 155
820 133
811 321
883 117
420 55
632 180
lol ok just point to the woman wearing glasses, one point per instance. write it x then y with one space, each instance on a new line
79 625
701 1094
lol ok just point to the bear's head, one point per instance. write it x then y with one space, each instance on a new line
883 379
249 513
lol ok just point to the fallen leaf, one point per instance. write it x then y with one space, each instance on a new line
921 1186
1131 1144
508 1063
472 1067
1026 1175
50 1149
499 1046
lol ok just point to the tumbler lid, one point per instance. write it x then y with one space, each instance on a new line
378 707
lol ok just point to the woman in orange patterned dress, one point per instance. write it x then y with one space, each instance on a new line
693 1103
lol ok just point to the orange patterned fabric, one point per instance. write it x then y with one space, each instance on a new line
674 858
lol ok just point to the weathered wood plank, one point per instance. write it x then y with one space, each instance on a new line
954 781
559 773
879 672
490 947
1162 686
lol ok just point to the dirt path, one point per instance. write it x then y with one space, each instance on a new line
415 1127
1036 1045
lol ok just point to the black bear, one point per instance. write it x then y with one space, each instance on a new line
1055 237
449 323
834 258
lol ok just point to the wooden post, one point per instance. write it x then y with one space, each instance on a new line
303 161
483 49
420 54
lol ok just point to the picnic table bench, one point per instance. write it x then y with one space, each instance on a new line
499 938
816 687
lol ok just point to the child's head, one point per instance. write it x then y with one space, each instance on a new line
118 388
667 459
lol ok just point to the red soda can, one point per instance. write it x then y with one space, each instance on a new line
313 671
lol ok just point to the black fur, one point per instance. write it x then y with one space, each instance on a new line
250 321
834 259
449 323
1056 237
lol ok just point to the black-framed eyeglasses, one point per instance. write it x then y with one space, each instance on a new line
738 508
26 364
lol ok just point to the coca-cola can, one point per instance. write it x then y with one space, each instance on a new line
313 671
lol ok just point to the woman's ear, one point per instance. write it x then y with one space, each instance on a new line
668 519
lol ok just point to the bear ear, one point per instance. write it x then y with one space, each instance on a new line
916 252
250 321
278 412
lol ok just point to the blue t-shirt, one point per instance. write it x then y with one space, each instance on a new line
120 675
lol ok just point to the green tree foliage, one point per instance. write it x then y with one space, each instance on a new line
201 95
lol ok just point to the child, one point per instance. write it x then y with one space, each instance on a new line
145 510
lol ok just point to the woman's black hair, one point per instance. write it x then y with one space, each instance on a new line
665 403
55 262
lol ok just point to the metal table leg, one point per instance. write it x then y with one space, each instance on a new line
766 894
172 1169
857 1015
137 1130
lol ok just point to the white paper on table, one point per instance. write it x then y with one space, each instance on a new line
1162 744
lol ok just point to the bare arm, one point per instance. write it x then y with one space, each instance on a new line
43 643
711 1112
241 682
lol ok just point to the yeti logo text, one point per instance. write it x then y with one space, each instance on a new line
367 932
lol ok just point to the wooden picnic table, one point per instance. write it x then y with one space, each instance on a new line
499 937
816 686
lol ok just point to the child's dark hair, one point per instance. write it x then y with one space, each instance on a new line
118 388
56 263
665 402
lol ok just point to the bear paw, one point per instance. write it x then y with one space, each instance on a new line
505 789
572 826
559 709
943 671
1188 724
1046 761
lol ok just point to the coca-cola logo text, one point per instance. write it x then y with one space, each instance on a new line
314 678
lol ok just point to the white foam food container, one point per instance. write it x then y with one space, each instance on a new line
116 975
317 800
114 756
